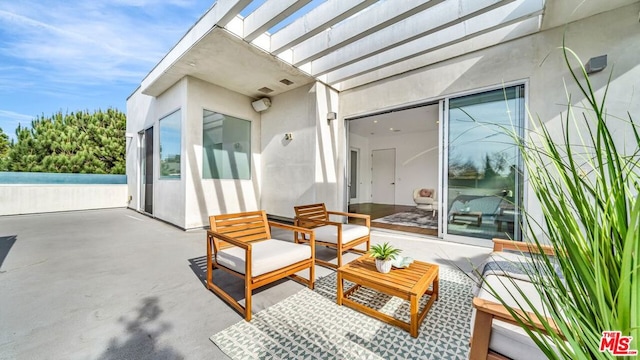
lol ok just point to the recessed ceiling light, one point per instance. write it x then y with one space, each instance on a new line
391 129
375 121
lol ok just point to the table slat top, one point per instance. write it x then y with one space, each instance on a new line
418 275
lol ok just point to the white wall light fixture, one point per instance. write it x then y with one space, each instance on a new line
331 116
261 105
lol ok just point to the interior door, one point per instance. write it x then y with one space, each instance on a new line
354 163
383 176
148 170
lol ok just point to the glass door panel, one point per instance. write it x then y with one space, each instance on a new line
483 173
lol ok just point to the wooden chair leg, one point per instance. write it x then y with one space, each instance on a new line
481 336
247 299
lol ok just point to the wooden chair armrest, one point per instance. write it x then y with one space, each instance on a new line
214 235
354 215
366 217
502 244
498 311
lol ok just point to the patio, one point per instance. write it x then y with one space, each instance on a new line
114 284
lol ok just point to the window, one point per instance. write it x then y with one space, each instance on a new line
484 176
226 147
170 146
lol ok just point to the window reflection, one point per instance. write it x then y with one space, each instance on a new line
226 144
170 132
484 182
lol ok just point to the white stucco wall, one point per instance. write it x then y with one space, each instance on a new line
535 59
206 197
168 194
140 115
31 199
330 154
305 169
289 165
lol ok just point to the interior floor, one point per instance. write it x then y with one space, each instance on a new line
378 211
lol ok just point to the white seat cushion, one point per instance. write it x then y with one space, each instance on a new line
329 233
507 339
424 200
266 256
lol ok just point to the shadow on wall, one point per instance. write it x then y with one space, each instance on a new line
142 335
6 242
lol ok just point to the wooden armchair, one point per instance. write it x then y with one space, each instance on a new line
241 244
496 334
342 237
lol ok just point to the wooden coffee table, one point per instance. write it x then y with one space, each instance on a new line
410 284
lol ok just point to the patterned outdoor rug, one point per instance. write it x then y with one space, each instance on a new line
418 218
310 325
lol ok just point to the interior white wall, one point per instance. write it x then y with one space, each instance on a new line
535 59
416 166
204 197
364 168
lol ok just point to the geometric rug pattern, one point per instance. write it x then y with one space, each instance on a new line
426 219
310 325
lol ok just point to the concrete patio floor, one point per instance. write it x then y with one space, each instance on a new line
115 284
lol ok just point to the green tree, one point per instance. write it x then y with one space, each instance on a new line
5 145
80 142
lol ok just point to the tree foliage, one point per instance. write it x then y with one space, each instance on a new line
4 149
80 142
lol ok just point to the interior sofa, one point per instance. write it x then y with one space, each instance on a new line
495 333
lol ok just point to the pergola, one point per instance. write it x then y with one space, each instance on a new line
348 43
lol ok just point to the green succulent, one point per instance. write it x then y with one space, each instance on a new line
384 251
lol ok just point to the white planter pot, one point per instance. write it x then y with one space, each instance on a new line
383 266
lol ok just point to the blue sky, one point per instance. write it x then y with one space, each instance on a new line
82 55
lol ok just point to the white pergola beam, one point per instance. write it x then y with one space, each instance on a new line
478 25
315 21
427 22
226 10
377 17
507 33
269 14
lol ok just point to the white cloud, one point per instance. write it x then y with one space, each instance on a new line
94 41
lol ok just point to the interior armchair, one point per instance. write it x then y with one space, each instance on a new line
241 244
332 234
425 198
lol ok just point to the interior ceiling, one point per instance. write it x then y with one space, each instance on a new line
401 122
347 43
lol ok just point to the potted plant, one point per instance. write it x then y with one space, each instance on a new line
383 253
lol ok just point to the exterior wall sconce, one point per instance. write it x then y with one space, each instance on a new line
288 136
331 116
596 64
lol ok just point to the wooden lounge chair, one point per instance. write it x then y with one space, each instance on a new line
236 237
496 334
342 237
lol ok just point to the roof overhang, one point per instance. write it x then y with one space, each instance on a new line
222 58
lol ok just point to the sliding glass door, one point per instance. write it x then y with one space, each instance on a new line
482 178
